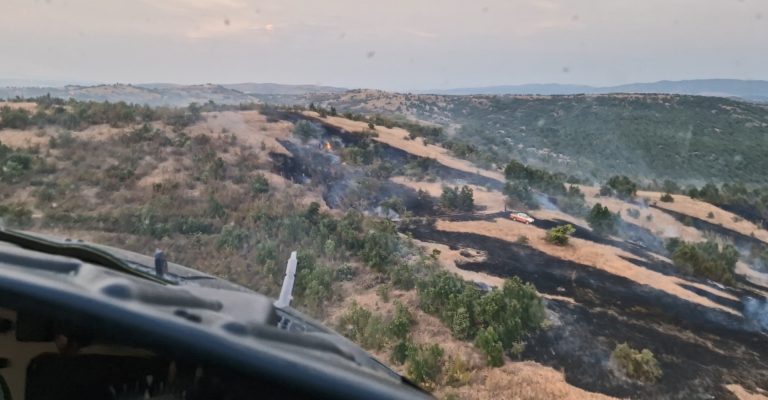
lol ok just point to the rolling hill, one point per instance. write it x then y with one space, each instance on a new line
648 136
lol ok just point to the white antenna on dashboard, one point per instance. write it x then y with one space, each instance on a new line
286 291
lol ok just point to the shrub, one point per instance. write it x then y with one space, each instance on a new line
633 212
363 327
259 184
512 311
639 365
490 344
601 220
460 326
522 239
15 215
710 215
14 118
402 322
402 277
379 249
559 235
232 238
305 130
425 364
457 371
707 259
400 352
667 198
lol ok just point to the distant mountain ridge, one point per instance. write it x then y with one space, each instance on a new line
756 90
168 94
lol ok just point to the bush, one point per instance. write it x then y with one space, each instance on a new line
710 215
522 239
512 311
259 184
402 277
559 235
400 352
633 212
232 238
401 324
305 130
490 344
14 118
363 327
457 371
667 198
425 364
15 215
379 248
639 365
622 186
707 259
602 221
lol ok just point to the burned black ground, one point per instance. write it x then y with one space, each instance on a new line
700 348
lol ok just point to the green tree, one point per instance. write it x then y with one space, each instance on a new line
622 186
304 130
466 200
519 193
601 220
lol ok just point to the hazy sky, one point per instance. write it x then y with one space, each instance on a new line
388 44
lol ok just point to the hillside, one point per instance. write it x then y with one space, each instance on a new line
686 138
232 190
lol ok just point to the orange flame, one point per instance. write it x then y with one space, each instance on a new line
328 146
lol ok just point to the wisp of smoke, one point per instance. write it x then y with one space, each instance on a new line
756 312
545 203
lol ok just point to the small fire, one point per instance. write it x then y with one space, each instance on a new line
328 146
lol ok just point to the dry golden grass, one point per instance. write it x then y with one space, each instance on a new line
249 127
744 394
587 253
23 139
24 105
699 209
661 223
521 381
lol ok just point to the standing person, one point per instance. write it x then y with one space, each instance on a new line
161 265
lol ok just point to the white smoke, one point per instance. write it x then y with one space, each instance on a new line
756 311
545 203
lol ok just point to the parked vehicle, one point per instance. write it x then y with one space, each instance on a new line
522 217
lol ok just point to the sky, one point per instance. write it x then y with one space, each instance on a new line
384 44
